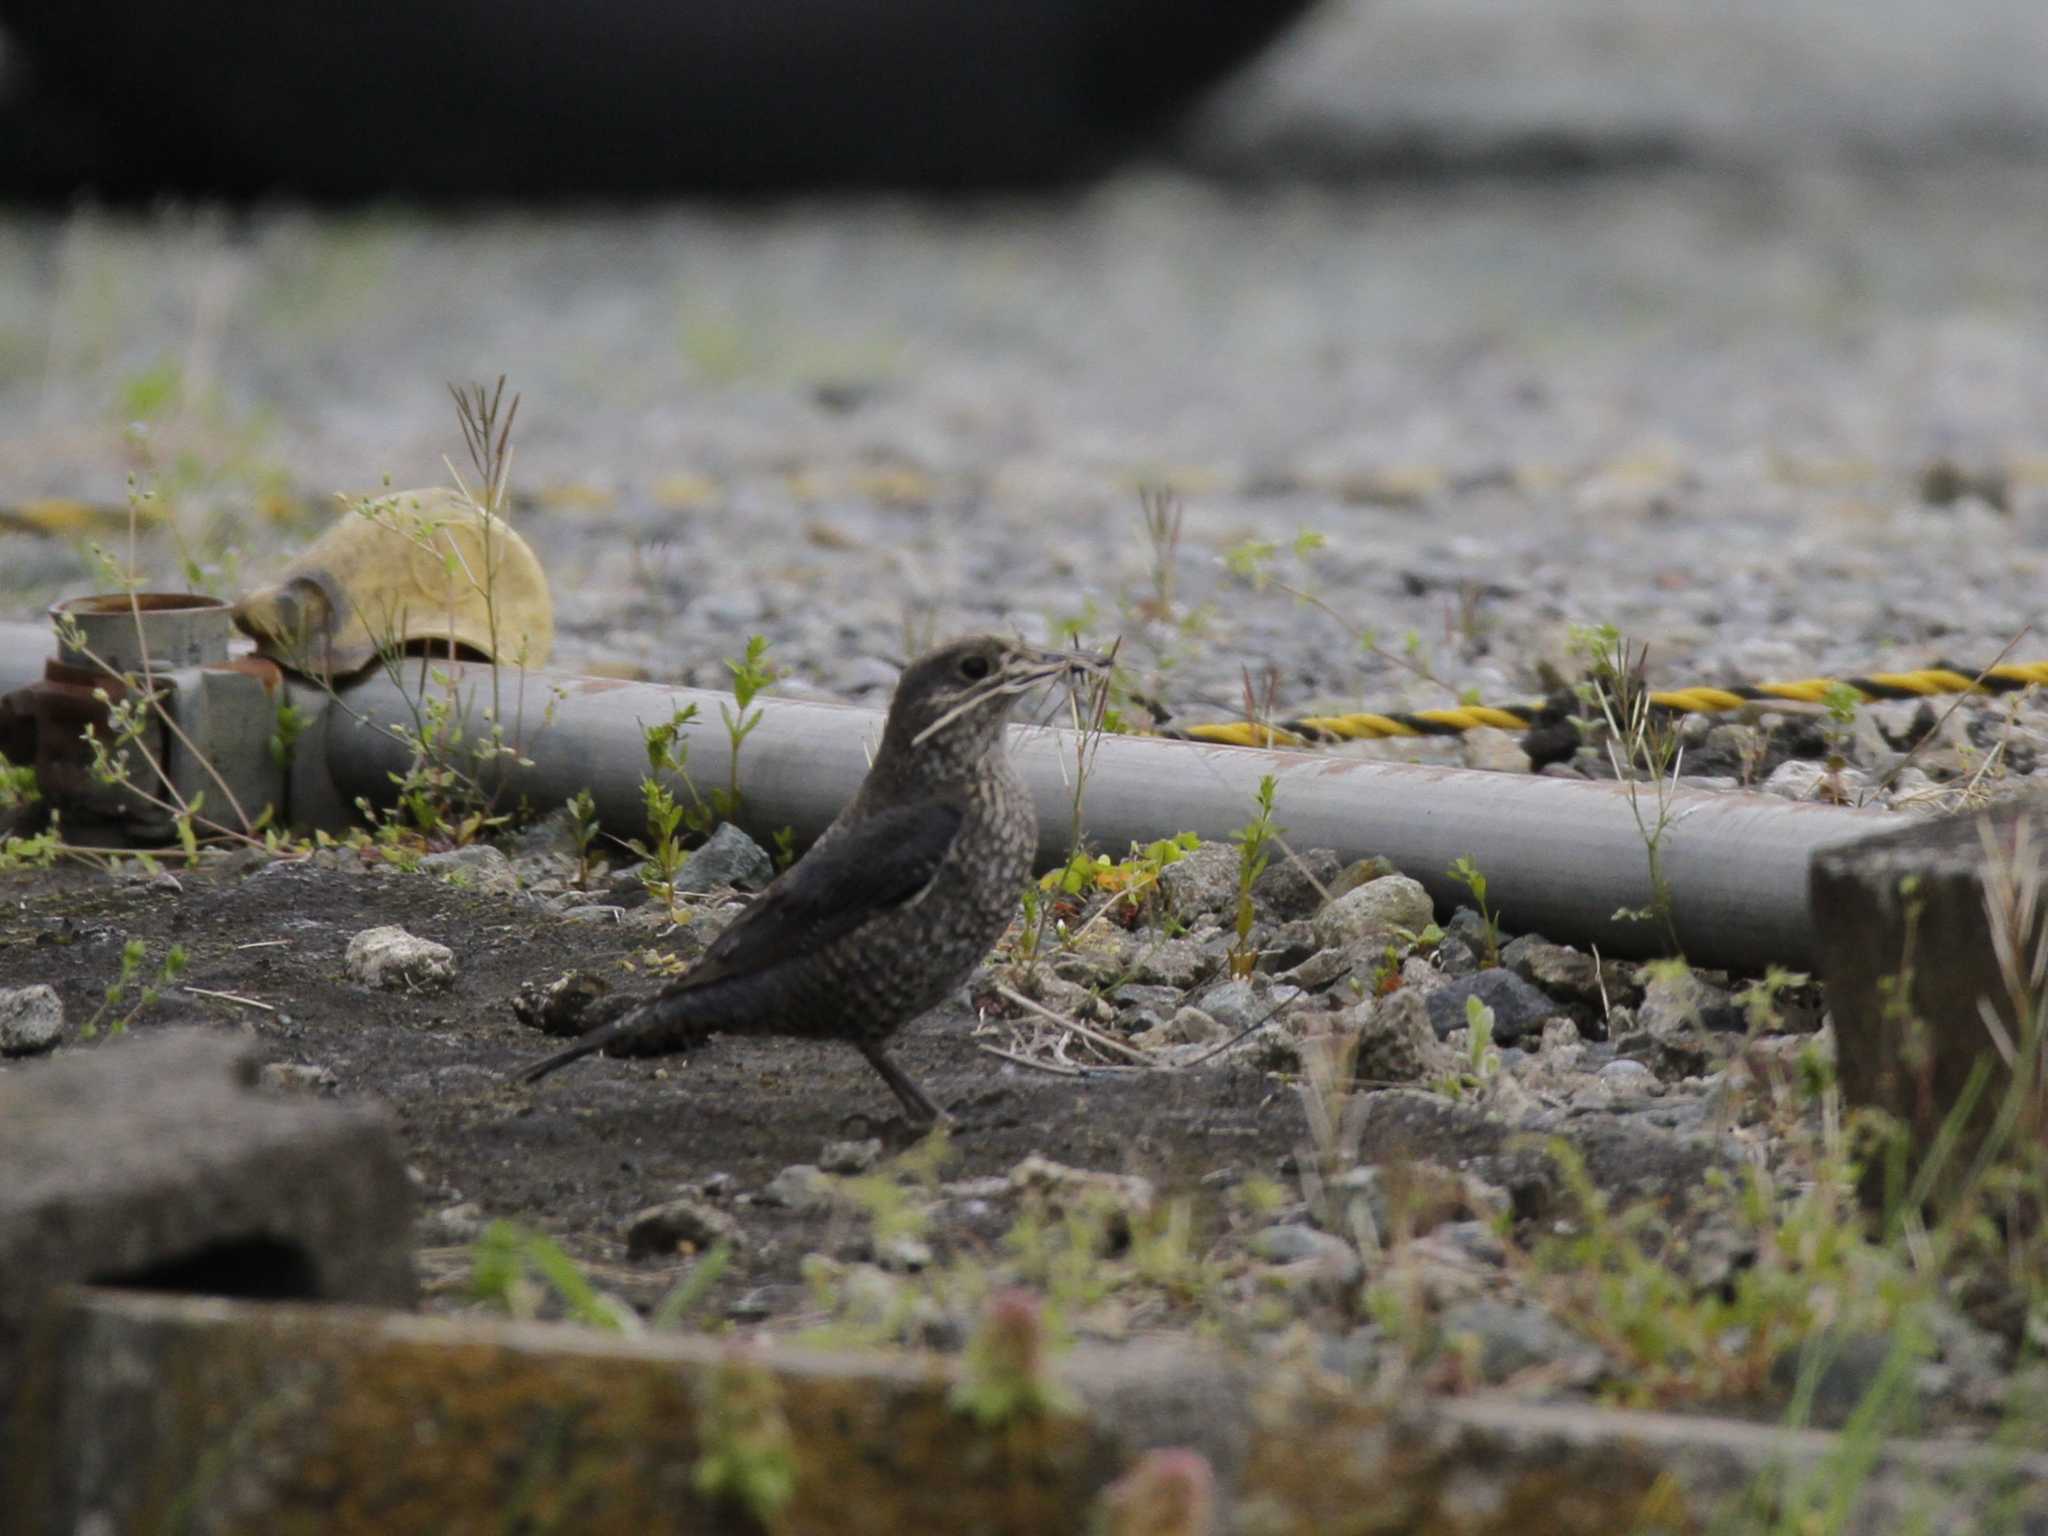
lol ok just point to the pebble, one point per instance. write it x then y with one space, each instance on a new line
1188 1026
557 1007
1332 1259
1395 1041
1518 1008
1628 1076
1170 963
1372 914
1513 1337
298 1078
1564 973
728 859
662 1229
478 867
1294 888
31 1020
390 957
1202 882
800 1187
1041 1175
1676 1001
451 1225
904 1254
1238 1005
850 1156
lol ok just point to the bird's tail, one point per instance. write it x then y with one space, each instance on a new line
589 1045
666 1021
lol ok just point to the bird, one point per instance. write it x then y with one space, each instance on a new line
895 904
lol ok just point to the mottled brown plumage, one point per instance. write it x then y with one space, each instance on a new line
895 904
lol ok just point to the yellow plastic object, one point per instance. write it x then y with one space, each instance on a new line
413 571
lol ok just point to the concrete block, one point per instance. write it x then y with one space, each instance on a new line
1907 952
150 1412
151 1162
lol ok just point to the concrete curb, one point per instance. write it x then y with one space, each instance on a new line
151 1412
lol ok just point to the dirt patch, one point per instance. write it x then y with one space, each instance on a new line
578 1155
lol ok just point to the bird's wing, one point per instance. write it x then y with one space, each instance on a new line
879 862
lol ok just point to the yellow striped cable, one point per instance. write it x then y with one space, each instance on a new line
1313 730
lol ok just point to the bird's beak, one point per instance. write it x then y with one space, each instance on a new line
1033 665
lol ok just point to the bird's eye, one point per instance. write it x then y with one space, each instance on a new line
974 668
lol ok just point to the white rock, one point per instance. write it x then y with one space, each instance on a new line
391 957
31 1020
1373 912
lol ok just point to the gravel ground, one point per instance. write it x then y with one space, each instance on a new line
1703 408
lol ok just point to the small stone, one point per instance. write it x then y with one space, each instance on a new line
1204 881
766 1301
1134 995
1468 931
1676 1000
662 1229
628 888
452 1225
1410 1198
1518 1008
1067 997
1512 1337
850 1156
1361 872
1374 913
1188 1026
1173 963
31 1020
1295 886
1286 947
1626 1076
904 1254
1562 1047
392 958
729 858
478 867
1319 970
1566 974
1238 1005
558 1007
800 1187
1057 1182
1334 1259
1494 751
1507 1101
1395 1041
1799 778
298 1077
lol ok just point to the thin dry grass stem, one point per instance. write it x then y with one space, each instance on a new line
1087 710
1334 1110
1163 517
1955 704
488 439
1094 1037
1036 1064
1260 705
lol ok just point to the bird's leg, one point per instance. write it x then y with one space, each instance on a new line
920 1111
